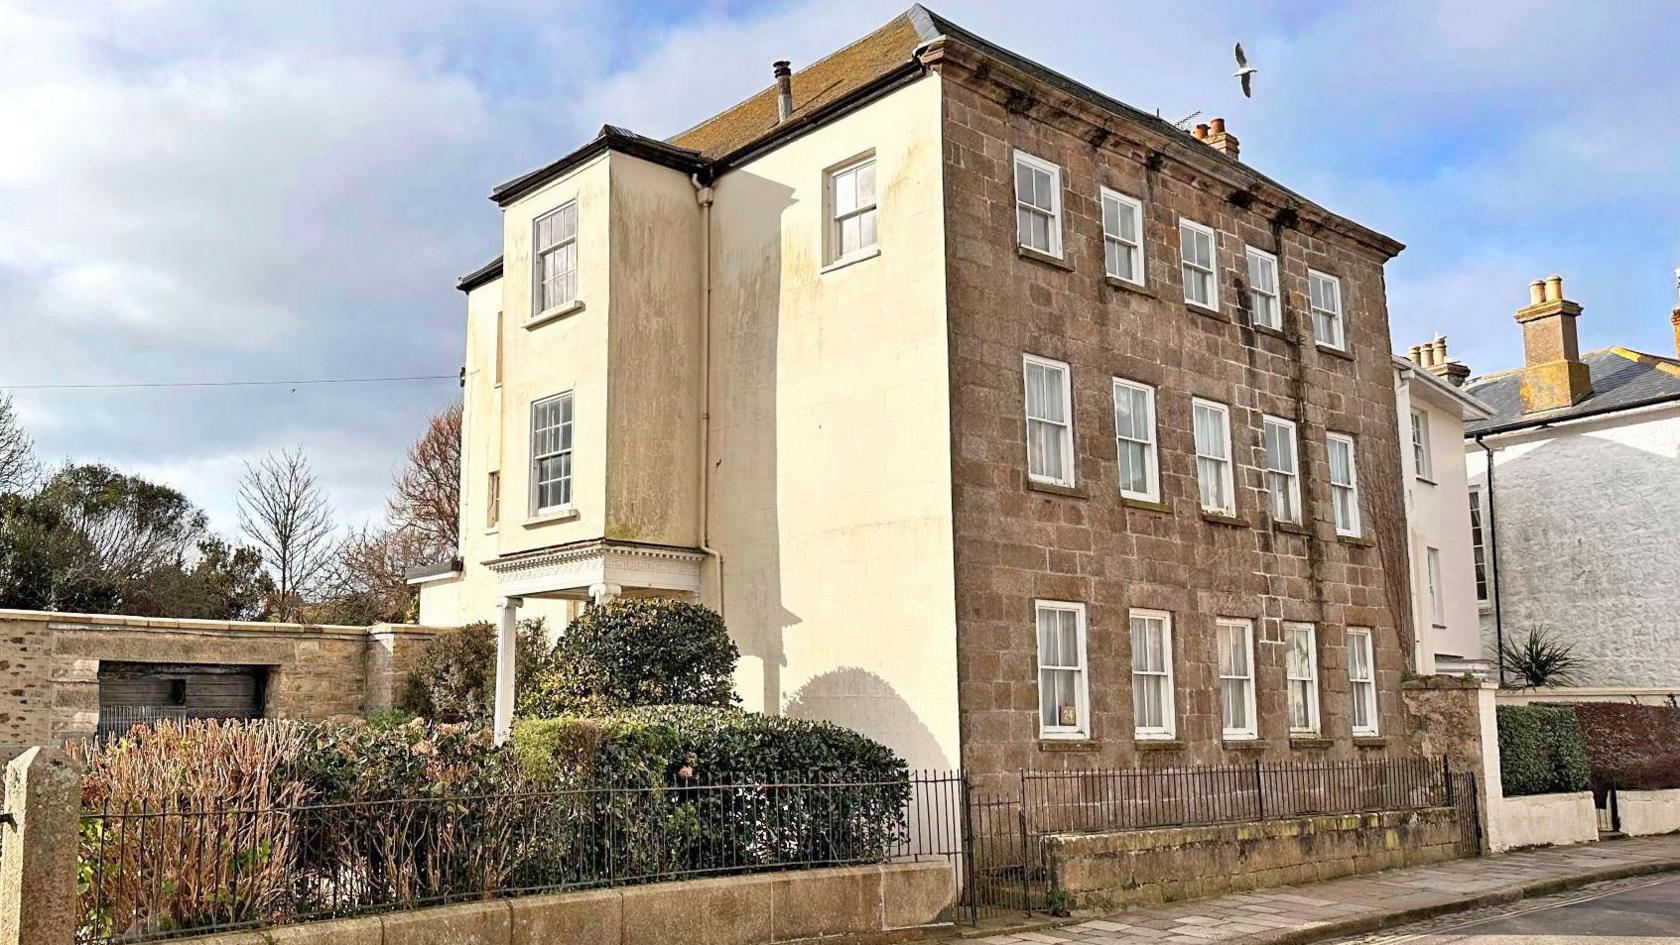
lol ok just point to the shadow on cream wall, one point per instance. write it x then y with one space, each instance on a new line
869 704
744 508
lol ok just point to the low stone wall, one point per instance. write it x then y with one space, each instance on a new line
1542 820
1161 865
861 903
49 665
1648 812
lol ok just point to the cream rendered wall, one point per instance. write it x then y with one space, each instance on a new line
565 354
654 347
1587 540
1439 517
831 494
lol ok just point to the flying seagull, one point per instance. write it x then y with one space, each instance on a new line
1245 72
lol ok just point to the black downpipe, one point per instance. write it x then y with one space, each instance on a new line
1493 563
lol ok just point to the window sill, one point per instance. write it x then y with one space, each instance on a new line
1028 253
1243 743
1370 741
1072 743
1342 353
491 530
845 261
1274 332
1221 518
1051 488
1484 607
1311 741
1292 528
1163 743
551 516
1425 480
1358 541
1197 308
554 314
1115 282
1147 505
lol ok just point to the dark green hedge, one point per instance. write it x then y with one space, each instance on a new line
1541 750
740 788
653 744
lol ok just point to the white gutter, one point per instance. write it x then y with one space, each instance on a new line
703 522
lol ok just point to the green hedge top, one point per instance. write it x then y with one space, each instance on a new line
658 743
1541 750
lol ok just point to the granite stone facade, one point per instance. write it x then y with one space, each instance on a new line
1017 542
50 665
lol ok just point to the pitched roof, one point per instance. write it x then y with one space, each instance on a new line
1622 379
822 82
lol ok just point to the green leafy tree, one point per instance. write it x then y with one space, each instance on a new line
92 539
454 679
639 652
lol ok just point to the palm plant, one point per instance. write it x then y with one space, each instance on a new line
1541 660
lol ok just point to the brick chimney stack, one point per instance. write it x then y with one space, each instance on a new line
1553 373
1432 357
1218 138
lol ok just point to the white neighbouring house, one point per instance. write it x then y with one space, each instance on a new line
1575 481
1433 412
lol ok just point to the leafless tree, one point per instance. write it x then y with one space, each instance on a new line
368 581
426 495
284 513
17 452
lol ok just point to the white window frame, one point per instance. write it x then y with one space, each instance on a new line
566 431
492 500
1066 438
1291 678
1152 471
1130 249
1185 266
1423 460
1293 474
1169 713
1362 690
541 305
1350 529
1478 546
1082 689
1054 211
836 220
1252 728
1334 315
1226 472
1432 586
1263 300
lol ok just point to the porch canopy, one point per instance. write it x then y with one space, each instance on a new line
595 570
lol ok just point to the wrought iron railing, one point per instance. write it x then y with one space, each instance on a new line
1138 798
150 872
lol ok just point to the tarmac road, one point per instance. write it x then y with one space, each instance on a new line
1644 910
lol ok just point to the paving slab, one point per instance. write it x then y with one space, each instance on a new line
1315 911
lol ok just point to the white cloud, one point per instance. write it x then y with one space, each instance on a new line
195 190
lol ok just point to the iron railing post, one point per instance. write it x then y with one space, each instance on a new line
967 851
1026 882
1259 790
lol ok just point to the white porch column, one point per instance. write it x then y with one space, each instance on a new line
507 632
601 593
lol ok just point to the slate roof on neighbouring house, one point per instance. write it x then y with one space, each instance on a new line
1621 379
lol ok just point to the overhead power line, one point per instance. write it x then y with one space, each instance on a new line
280 383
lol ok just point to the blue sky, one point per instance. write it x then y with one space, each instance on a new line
206 191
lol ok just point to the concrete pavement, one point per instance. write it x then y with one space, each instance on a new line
1359 904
